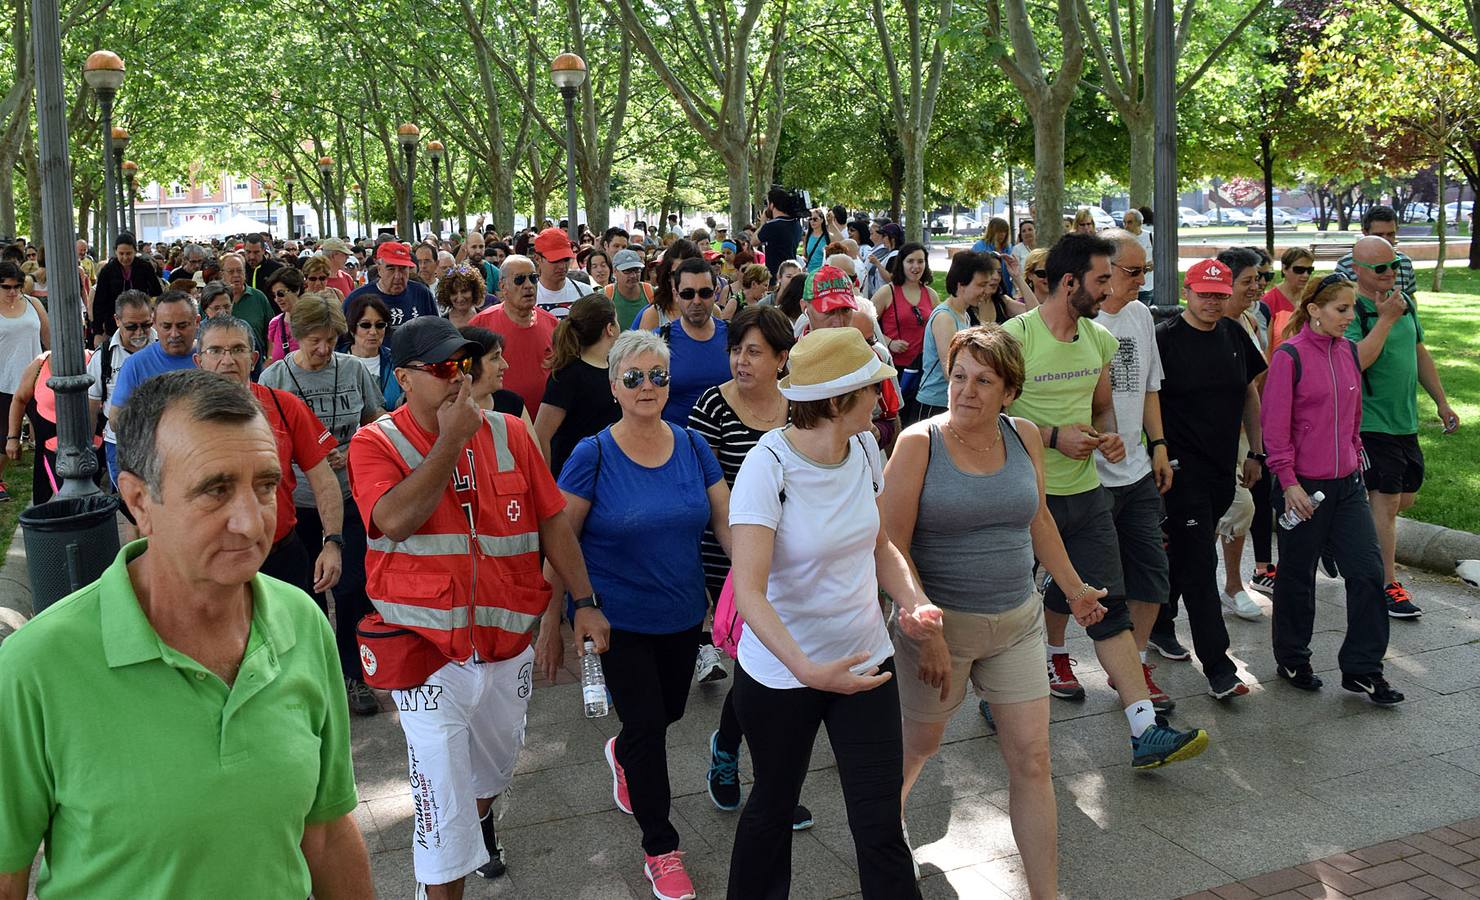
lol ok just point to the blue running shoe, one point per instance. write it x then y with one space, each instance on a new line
724 776
985 709
1161 744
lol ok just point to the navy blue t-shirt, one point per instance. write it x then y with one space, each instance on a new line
415 301
641 536
693 368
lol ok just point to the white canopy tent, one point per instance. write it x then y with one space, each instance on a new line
237 224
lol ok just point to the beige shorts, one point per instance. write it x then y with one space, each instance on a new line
1001 653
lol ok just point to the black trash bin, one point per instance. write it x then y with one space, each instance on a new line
69 542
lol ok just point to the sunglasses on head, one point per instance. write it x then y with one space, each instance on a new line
632 378
1380 268
690 293
445 370
366 325
1302 270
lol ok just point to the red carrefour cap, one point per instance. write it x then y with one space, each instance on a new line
553 244
395 253
1209 277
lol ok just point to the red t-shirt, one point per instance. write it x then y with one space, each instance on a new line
344 284
300 438
526 350
374 469
1277 302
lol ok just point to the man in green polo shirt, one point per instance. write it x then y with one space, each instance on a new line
178 728
1389 340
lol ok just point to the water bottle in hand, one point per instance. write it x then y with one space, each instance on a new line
593 683
1290 518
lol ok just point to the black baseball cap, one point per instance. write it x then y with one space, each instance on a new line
430 339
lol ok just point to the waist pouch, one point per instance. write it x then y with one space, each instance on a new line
395 658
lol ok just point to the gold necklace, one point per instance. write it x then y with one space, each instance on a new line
780 414
987 449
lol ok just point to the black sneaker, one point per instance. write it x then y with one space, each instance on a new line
1264 580
1328 565
724 776
1400 602
495 867
1226 687
361 701
1301 676
1168 646
986 710
801 818
1374 686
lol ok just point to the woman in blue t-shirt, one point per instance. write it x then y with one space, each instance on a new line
639 496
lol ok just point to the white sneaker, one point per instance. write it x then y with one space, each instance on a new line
910 847
1242 605
708 665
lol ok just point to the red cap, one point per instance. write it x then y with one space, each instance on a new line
553 244
1209 277
830 289
395 253
711 255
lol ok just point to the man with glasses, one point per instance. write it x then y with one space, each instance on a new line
527 330
554 256
458 618
405 298
1389 339
1382 222
135 320
302 441
124 272
698 357
247 303
260 265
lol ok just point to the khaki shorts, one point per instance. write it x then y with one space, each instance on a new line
1001 653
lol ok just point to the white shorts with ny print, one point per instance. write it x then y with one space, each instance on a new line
464 729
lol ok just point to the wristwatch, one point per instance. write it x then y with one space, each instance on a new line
335 538
1152 444
1261 457
589 602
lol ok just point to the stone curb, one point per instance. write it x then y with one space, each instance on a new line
1434 547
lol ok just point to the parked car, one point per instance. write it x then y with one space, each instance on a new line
1232 215
1281 215
1459 211
1187 217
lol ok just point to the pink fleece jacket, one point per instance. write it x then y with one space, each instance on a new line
1312 429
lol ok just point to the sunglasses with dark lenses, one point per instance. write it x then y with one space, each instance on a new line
278 295
1132 271
1266 277
1302 270
690 293
316 278
366 325
632 378
445 370
10 286
1380 268
1040 273
135 326
522 277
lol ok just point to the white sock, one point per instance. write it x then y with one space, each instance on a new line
1052 650
1141 715
1143 657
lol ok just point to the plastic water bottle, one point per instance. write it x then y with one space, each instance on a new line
593 684
1289 519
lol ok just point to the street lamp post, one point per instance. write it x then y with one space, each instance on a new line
568 71
326 167
267 192
355 189
120 143
130 173
103 72
288 181
436 151
408 135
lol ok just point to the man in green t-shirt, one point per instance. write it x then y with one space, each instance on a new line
178 728
1389 338
628 291
1067 394
247 304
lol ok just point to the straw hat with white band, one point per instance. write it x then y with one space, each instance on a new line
831 362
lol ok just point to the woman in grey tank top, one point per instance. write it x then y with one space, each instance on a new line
963 501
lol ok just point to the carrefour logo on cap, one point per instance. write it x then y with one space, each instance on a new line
1213 270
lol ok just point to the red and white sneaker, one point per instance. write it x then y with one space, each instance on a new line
619 778
1264 581
1161 701
1061 680
667 875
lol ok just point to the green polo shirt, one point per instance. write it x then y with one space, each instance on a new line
252 307
144 773
1390 384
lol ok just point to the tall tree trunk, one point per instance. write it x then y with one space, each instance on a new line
1438 283
1048 170
1266 163
1142 130
913 145
737 169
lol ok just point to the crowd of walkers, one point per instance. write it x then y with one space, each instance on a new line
786 457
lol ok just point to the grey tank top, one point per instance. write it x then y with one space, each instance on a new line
972 544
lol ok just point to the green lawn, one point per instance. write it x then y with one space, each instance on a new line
1451 320
18 481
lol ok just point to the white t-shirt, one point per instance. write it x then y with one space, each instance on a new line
1134 370
558 303
1020 252
372 363
116 356
822 582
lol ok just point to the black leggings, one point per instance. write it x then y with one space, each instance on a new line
1261 530
864 730
649 676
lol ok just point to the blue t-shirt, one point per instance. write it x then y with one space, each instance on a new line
142 366
647 587
693 368
415 301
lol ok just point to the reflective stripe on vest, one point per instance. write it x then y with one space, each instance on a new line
497 428
409 454
457 544
413 616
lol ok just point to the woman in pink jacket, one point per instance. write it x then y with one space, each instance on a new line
1312 416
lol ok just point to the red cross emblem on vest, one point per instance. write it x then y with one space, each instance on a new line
512 510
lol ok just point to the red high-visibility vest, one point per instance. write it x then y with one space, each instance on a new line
470 578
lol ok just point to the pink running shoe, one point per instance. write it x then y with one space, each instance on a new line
670 881
619 778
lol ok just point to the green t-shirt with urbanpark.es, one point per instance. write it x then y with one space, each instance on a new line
1059 389
144 773
1390 384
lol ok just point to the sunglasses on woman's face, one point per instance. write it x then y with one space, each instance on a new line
366 325
690 293
1266 277
1302 270
316 278
632 378
447 369
281 295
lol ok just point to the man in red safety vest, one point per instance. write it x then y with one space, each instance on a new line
458 508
